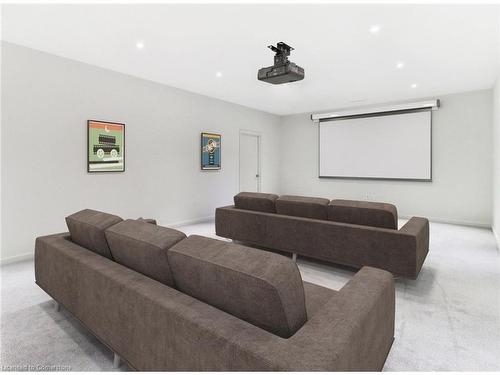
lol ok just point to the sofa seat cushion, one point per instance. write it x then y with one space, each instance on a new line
87 228
262 288
374 214
143 247
256 202
309 207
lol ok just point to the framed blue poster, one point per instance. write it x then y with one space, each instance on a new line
210 151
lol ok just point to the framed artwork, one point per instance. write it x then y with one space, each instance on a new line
105 146
210 151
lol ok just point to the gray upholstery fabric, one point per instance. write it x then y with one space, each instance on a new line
374 214
292 205
87 229
149 221
262 288
401 252
418 229
316 297
154 327
256 201
143 248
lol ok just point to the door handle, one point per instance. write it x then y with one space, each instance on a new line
257 176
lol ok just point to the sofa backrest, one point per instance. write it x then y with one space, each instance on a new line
143 247
293 205
262 288
256 202
374 214
87 227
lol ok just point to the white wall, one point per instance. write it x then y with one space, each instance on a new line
1 152
461 190
496 162
46 102
496 155
496 150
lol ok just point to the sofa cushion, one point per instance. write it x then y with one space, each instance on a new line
87 227
262 288
382 215
292 205
143 248
256 202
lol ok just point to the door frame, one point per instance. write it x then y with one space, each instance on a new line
258 135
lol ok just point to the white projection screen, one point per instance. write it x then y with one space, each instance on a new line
389 146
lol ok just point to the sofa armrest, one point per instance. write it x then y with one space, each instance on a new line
418 227
353 331
367 304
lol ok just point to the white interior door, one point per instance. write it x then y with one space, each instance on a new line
249 162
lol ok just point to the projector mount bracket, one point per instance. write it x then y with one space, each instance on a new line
282 51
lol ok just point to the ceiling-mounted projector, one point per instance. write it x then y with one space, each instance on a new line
283 71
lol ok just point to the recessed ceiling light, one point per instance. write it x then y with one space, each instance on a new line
218 74
140 45
414 85
375 29
400 64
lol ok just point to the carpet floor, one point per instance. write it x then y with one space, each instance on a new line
448 319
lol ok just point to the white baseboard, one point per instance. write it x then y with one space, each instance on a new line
190 222
16 258
452 221
497 237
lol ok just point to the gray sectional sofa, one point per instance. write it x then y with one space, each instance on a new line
164 301
352 233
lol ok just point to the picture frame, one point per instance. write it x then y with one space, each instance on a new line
211 151
105 146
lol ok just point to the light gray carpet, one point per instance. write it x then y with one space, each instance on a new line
448 319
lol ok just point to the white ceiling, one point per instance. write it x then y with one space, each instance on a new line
445 48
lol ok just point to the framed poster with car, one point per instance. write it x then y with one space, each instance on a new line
105 146
210 151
